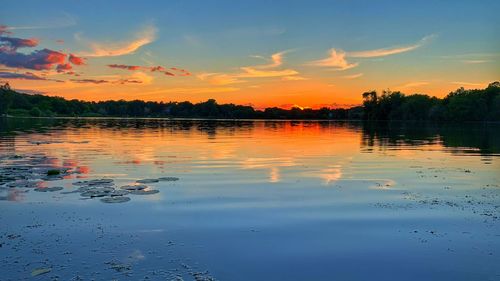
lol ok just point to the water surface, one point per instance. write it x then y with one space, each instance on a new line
256 200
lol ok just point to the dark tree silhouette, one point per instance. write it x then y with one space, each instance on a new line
460 105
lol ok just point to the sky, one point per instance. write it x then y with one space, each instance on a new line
259 53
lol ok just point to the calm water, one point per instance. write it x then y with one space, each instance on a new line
256 200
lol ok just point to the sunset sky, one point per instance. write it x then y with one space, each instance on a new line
262 53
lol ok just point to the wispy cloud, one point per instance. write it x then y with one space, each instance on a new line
172 71
338 59
254 71
192 90
411 85
88 80
24 76
391 50
251 72
136 78
111 49
275 60
219 78
474 61
66 20
468 84
354 76
294 78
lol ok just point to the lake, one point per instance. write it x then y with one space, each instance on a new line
248 200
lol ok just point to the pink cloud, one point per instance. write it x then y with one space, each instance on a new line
44 59
63 67
159 68
76 60
123 66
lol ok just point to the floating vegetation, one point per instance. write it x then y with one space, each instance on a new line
148 181
40 271
115 199
168 179
144 192
134 187
97 192
100 182
118 192
49 189
32 171
119 267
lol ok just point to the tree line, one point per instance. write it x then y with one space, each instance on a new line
460 105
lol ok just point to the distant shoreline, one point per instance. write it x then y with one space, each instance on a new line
247 120
478 105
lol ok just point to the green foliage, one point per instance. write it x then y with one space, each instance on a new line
460 105
35 112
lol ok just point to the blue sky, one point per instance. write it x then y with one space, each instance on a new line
221 37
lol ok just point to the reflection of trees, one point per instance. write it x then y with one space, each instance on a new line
9 126
459 137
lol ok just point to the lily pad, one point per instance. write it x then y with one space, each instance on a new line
49 189
169 178
119 192
100 182
97 192
144 192
147 181
40 271
134 187
115 199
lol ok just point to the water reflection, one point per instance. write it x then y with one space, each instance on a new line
253 151
478 138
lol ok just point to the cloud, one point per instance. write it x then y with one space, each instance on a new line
111 49
172 71
4 30
24 76
122 66
93 81
136 78
64 67
250 72
255 71
354 76
411 85
474 61
337 60
43 59
293 78
11 44
128 81
219 79
66 20
468 84
275 60
195 90
76 60
391 50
